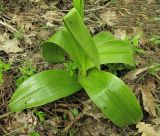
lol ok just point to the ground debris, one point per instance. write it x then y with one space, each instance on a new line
22 123
110 17
149 101
146 129
9 45
91 110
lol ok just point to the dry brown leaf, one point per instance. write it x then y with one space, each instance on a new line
110 17
35 1
146 129
91 110
149 102
23 123
51 16
27 39
49 24
9 46
156 121
151 1
25 26
43 34
120 34
18 20
28 26
127 1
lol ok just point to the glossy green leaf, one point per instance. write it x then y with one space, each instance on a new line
110 49
62 40
51 50
103 37
79 32
116 52
79 5
53 54
113 97
113 51
43 88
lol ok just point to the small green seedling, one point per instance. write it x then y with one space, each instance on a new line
19 35
74 111
65 117
71 66
158 108
114 1
113 68
115 99
135 42
154 70
1 7
41 115
73 131
155 40
34 134
3 67
26 71
156 18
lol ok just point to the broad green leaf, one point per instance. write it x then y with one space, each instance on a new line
110 50
51 50
63 40
79 5
113 97
43 88
53 54
115 51
103 37
79 32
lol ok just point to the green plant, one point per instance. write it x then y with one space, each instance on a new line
114 1
113 68
41 115
34 134
155 40
71 66
154 70
19 34
1 8
108 92
26 71
74 111
73 131
3 67
135 42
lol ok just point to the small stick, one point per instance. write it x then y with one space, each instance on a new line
4 115
3 129
9 26
132 75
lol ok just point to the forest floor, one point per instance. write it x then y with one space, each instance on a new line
25 24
